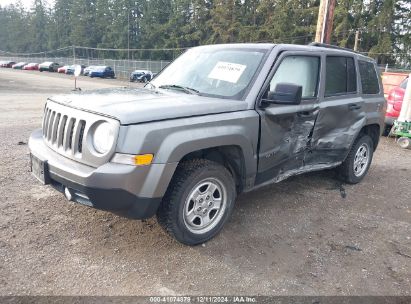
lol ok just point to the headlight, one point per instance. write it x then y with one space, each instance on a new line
103 138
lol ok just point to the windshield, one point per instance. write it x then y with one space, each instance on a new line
217 72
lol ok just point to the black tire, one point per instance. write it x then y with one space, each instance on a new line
387 130
346 171
188 177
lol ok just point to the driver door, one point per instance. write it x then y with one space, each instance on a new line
286 130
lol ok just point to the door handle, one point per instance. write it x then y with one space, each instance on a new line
354 106
304 114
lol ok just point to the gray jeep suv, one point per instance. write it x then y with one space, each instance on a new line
218 121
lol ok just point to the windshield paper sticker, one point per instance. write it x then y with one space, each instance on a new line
226 71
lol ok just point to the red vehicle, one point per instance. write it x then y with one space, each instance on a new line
394 104
7 64
62 69
31 67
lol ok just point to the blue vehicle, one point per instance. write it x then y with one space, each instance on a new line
141 76
102 72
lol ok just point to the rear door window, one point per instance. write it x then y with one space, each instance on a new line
369 78
341 77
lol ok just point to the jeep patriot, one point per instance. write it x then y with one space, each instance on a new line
218 121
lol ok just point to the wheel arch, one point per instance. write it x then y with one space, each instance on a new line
373 131
229 156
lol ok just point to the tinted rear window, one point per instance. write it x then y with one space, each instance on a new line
369 78
341 76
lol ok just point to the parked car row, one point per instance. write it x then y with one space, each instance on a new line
91 71
49 66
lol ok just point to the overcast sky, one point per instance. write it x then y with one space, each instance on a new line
26 3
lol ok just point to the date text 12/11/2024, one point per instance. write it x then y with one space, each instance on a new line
203 299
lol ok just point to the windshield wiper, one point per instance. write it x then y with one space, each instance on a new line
179 87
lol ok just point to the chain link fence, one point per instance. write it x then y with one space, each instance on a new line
122 68
122 61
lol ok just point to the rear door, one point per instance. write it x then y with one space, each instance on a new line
286 129
341 114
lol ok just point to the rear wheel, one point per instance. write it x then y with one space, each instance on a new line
198 202
387 130
358 161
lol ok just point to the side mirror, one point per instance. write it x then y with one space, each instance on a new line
285 93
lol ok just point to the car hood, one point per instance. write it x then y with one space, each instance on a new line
131 106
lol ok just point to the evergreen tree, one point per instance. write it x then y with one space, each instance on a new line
384 25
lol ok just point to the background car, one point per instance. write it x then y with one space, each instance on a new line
87 70
102 72
49 66
394 104
63 69
141 76
32 66
70 69
7 64
19 65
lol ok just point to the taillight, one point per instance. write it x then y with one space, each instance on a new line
391 97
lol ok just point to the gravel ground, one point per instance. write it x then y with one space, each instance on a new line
309 235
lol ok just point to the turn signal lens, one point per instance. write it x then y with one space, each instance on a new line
143 160
135 160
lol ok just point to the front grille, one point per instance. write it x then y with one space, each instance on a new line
66 129
63 132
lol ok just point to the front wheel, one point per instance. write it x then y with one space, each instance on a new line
358 161
198 202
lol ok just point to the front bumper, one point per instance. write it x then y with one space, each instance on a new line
130 191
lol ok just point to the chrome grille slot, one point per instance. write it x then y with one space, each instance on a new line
71 133
66 129
55 129
81 134
46 123
67 133
60 132
50 125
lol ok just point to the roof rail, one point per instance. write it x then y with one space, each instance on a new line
329 46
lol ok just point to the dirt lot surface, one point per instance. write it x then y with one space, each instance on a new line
308 235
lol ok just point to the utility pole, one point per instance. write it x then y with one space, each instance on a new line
325 21
128 34
357 40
